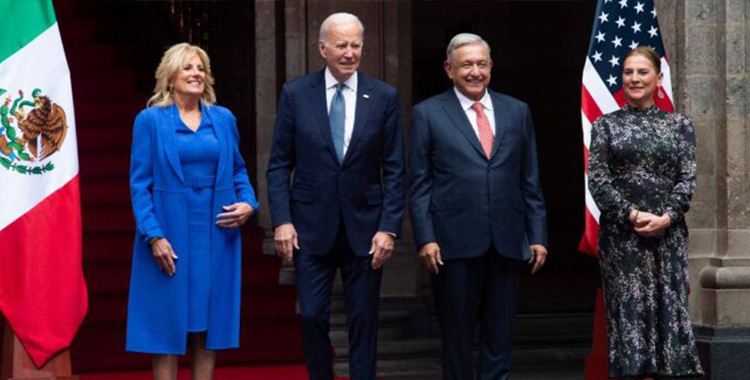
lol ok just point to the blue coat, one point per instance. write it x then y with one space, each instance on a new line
157 306
366 190
461 199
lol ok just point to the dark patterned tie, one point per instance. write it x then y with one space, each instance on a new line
336 117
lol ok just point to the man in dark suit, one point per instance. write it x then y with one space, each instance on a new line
477 208
339 131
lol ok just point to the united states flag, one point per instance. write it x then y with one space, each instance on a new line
619 26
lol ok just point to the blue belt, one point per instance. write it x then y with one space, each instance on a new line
198 182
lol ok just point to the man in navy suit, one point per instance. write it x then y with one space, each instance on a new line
477 208
338 141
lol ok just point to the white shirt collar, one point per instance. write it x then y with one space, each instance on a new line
331 81
466 103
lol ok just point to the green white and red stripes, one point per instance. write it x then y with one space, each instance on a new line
42 290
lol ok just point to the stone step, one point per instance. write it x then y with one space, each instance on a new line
549 356
385 317
339 336
392 325
421 368
538 342
541 329
420 359
401 349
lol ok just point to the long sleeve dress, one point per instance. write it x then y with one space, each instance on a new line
644 159
199 157
179 182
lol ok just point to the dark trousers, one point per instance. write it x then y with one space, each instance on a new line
315 274
480 290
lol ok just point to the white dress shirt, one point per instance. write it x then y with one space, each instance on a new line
466 104
349 91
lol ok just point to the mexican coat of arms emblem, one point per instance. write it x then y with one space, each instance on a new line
29 137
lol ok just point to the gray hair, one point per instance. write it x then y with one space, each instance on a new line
463 39
338 18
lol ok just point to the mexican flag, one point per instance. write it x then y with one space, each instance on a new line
42 291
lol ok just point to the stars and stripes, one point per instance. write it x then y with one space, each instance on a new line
619 26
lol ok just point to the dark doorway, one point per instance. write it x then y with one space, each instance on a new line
538 48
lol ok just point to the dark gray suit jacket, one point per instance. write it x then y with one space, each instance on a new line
464 201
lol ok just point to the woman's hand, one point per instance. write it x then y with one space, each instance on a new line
650 225
164 255
235 216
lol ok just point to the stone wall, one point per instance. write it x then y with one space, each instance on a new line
708 46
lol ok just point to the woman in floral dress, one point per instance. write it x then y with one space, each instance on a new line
642 176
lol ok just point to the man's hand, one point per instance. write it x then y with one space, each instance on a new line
164 255
430 256
650 225
538 257
381 248
285 240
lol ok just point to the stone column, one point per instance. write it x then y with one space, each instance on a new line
266 96
277 60
712 61
401 279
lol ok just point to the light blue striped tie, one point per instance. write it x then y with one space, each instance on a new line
336 117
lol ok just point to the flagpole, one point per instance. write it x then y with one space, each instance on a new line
17 364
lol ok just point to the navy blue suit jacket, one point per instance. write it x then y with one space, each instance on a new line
461 199
366 189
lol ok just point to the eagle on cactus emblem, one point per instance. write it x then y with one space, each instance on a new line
27 138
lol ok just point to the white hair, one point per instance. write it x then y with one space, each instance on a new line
339 18
463 39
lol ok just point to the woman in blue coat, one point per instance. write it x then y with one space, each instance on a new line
190 194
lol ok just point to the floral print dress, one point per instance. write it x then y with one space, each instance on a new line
644 159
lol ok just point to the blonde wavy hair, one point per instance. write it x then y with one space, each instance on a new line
172 60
